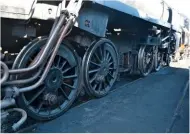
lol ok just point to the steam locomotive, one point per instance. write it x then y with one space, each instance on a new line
51 51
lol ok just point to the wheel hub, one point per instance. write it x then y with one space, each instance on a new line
54 79
104 70
50 99
100 78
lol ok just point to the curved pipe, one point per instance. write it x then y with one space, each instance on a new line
63 33
21 121
48 46
25 48
24 81
5 72
54 25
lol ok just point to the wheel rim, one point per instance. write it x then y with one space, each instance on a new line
100 68
146 59
59 89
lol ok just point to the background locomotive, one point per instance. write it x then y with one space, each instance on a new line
51 50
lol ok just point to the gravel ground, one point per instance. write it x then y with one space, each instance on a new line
146 105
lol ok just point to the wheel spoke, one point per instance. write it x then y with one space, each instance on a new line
111 76
39 107
70 76
64 94
109 59
93 71
95 54
94 87
100 87
94 77
66 70
111 68
35 96
68 85
63 64
110 63
95 63
107 56
104 54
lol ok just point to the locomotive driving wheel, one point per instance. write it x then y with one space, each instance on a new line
146 60
60 87
100 68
